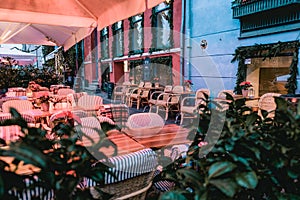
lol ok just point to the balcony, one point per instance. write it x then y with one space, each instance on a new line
242 8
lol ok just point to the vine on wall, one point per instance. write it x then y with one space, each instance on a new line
267 51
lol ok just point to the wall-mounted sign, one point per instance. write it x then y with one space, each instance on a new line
203 44
248 61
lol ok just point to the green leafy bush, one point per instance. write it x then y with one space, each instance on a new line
252 157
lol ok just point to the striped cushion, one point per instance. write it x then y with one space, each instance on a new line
10 133
129 166
73 98
27 117
32 193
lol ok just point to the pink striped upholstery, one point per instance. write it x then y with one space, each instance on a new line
27 117
19 105
79 113
91 127
144 125
10 133
65 91
73 98
145 120
90 104
105 119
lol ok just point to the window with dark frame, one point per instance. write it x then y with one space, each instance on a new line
162 26
104 43
118 39
261 17
136 35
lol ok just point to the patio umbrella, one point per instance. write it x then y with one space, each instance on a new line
22 58
64 22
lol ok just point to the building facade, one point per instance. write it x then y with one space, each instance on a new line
144 47
227 42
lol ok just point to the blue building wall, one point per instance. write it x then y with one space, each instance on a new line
211 20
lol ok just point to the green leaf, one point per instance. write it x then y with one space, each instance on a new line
1 186
247 179
251 118
190 176
220 168
292 174
227 186
281 103
172 195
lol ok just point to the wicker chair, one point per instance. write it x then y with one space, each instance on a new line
10 133
120 114
222 103
90 126
132 90
144 125
134 171
73 97
190 105
19 105
169 101
90 104
153 97
267 102
65 91
119 93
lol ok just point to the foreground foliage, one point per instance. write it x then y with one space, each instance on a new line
252 157
62 161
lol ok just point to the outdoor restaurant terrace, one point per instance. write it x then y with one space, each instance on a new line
141 130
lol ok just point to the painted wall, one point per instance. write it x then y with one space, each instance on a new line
211 20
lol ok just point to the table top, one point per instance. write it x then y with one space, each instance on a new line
168 135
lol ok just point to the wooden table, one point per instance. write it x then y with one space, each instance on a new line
169 135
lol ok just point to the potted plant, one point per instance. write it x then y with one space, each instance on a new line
43 100
245 85
188 85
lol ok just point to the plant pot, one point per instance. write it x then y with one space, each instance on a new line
188 88
245 93
45 106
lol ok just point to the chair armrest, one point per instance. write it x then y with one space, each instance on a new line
160 97
153 94
188 101
170 99
134 91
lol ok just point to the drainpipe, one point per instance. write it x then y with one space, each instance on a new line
188 40
96 55
182 41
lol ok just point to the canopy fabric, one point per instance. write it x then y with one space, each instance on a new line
64 22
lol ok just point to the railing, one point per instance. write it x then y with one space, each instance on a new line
275 20
247 7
